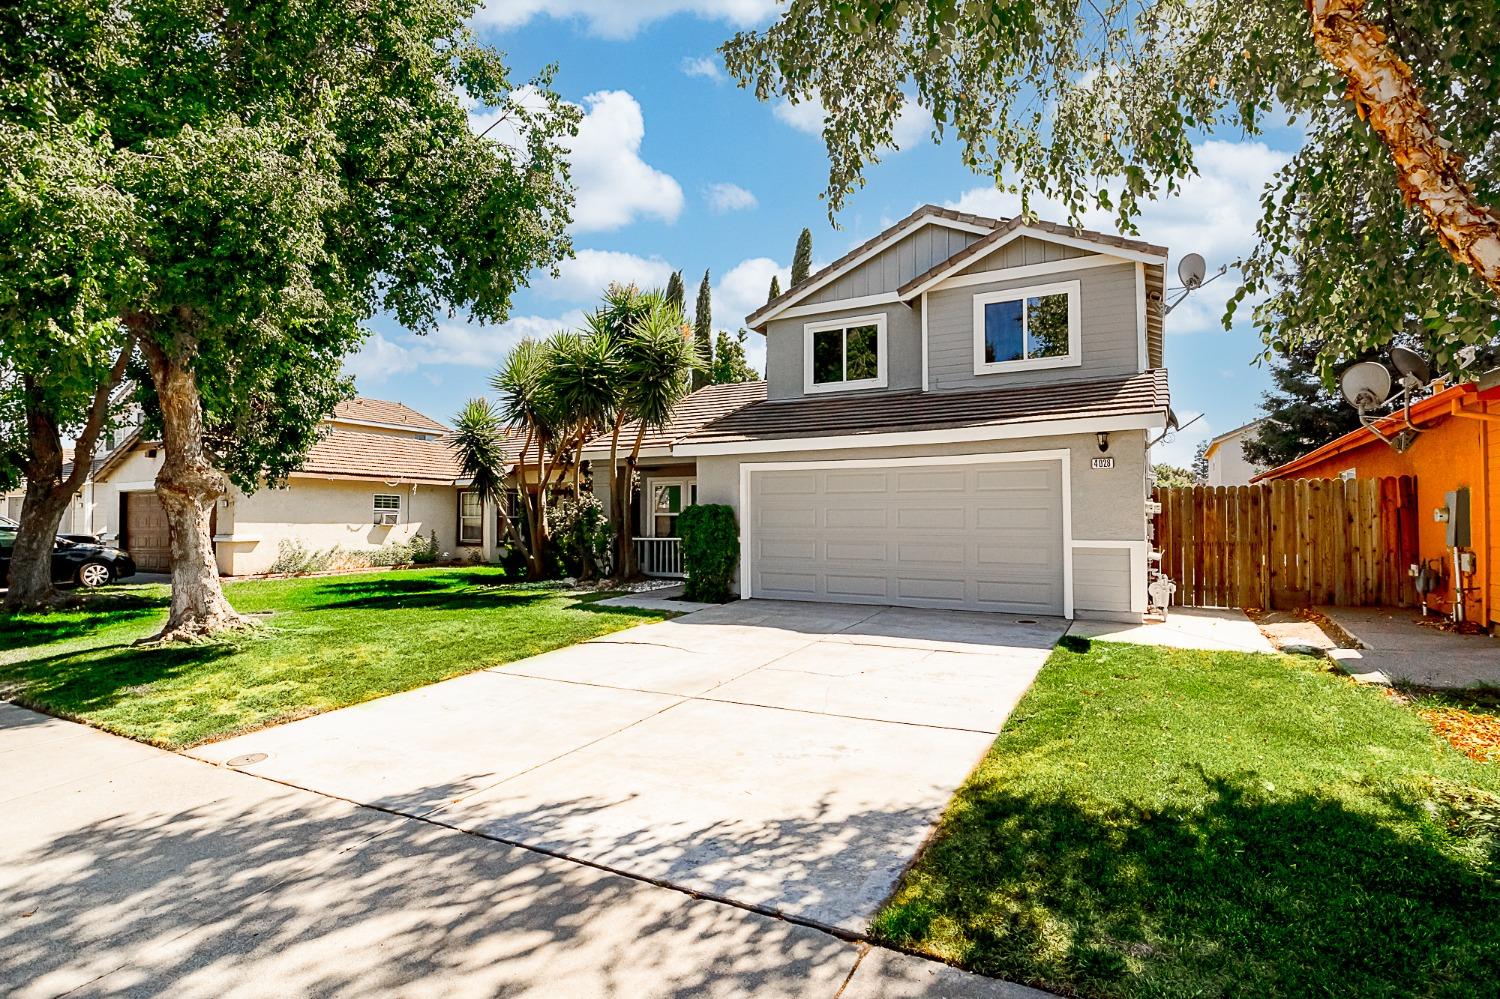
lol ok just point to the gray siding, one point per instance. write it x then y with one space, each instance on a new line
1024 251
1110 339
903 332
896 265
1101 581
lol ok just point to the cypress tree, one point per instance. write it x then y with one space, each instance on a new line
802 259
703 318
775 288
676 294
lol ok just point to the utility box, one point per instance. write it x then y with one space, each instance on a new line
1457 529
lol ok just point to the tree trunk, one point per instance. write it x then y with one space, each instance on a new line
1430 174
30 584
47 492
615 513
188 486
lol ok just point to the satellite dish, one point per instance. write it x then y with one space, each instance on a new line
1365 385
1190 270
1411 364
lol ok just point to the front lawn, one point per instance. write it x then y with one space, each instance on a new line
1155 822
324 643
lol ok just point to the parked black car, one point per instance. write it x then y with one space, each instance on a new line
77 539
85 564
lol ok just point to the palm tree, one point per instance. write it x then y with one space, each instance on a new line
479 442
583 374
612 322
528 402
657 360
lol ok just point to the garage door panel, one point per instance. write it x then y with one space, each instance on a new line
984 536
932 481
861 517
856 482
856 551
843 585
146 536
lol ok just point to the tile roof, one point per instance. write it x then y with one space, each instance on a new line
381 456
709 403
926 211
979 246
896 412
394 414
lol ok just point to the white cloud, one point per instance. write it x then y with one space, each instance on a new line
621 19
469 345
703 66
727 197
612 184
912 126
740 291
1213 214
585 276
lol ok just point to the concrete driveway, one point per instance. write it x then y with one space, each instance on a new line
788 757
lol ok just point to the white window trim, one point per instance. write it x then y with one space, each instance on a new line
1074 356
648 522
379 513
882 361
462 517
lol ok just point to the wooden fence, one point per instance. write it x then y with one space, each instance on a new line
1290 543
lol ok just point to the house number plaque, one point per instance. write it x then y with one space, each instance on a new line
1104 463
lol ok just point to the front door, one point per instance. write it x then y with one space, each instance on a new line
146 537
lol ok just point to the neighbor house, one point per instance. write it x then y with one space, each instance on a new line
381 474
955 414
1457 449
1227 464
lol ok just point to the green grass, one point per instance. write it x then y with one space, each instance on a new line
323 643
1155 822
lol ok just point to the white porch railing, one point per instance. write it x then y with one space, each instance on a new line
660 557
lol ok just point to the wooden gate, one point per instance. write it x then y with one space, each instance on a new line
1290 543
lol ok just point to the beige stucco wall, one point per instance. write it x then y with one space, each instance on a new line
1227 465
319 512
324 513
1107 505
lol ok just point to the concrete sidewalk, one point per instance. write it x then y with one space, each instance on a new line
128 870
1398 645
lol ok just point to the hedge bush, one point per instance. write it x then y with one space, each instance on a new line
710 550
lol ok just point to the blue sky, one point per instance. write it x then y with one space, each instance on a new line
678 168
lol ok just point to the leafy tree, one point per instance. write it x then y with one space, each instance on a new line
1172 475
703 332
1200 462
1398 108
1301 411
775 291
299 167
479 442
614 321
527 400
658 358
676 293
583 373
802 259
63 277
729 364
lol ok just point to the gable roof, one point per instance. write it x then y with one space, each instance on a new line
1017 227
899 412
710 403
385 413
1213 444
345 453
912 222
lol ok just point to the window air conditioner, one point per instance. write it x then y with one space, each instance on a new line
385 518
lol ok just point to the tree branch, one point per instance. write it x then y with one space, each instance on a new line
1430 174
83 448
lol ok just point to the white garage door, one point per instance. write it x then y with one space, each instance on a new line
976 536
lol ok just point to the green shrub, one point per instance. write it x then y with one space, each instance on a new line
710 550
582 535
295 559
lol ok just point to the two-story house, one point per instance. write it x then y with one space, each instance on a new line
955 414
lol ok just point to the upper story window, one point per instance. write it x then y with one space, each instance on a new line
844 354
1022 328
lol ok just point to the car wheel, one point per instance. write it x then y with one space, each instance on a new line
93 574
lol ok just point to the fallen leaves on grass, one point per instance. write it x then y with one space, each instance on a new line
1475 735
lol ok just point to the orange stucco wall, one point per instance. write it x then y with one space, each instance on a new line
1455 451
